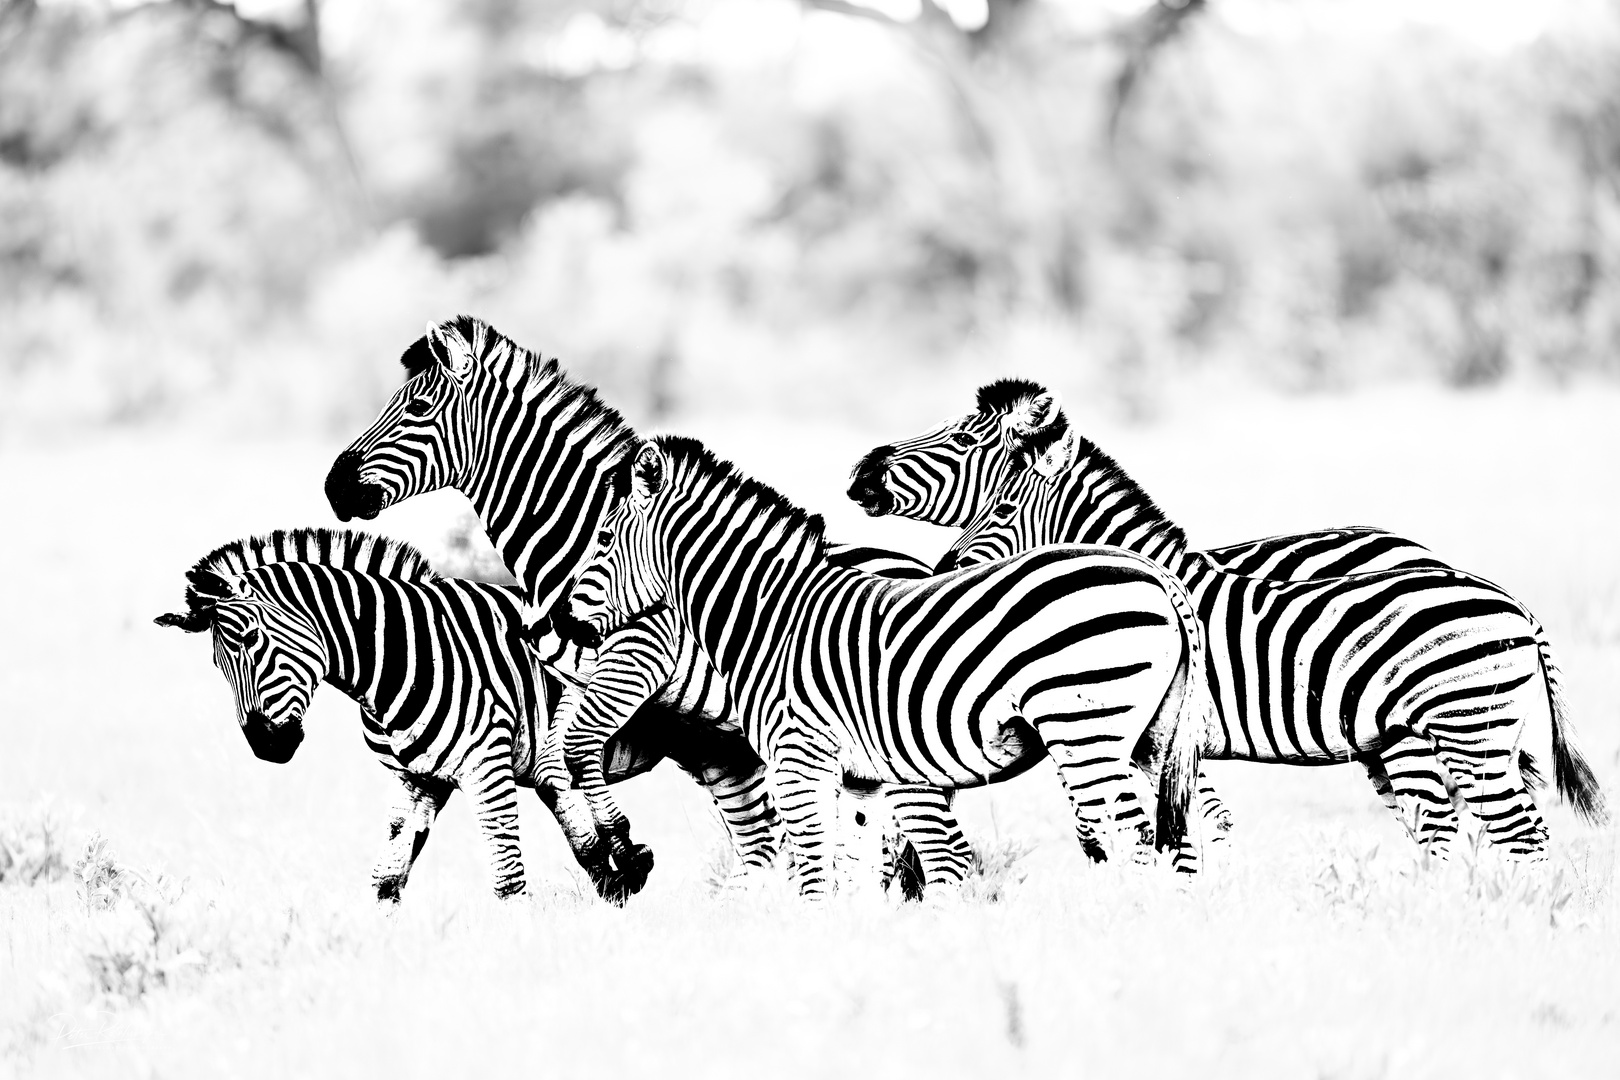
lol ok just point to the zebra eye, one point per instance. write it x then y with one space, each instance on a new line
251 637
1004 510
962 438
605 537
418 407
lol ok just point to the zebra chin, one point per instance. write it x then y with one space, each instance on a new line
275 743
349 496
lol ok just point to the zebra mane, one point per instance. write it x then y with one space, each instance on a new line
1004 395
690 452
1091 460
1001 395
346 549
502 356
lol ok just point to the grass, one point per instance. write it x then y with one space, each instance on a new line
174 907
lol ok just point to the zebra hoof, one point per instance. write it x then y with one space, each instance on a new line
637 858
617 884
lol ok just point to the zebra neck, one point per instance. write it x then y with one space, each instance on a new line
345 610
1094 501
537 476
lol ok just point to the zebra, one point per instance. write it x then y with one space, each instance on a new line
655 658
449 697
1349 644
534 452
1090 654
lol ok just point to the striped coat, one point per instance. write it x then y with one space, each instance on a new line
1090 655
1382 654
449 698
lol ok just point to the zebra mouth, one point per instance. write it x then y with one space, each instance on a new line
867 488
350 496
275 743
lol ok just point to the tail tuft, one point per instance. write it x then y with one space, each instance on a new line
1533 780
1574 777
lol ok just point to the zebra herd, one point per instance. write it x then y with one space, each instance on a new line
668 605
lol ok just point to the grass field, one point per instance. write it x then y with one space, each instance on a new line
1315 946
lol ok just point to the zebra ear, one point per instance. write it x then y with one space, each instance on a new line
420 356
649 474
192 622
1055 458
1032 414
1037 431
452 352
213 586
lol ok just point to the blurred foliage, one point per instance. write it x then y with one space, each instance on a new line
209 215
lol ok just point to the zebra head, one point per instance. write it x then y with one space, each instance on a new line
945 476
1015 520
272 658
533 451
421 439
622 581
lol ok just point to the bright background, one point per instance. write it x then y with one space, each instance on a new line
1293 264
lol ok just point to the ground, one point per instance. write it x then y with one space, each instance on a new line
226 928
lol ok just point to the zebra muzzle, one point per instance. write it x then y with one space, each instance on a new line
349 496
867 487
272 742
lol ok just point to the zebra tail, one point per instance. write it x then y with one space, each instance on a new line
1178 778
1575 779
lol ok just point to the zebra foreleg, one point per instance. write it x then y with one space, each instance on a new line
744 802
573 815
622 680
486 777
1217 816
923 816
417 803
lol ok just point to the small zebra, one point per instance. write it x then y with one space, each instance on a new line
534 453
1377 653
1092 655
449 697
654 658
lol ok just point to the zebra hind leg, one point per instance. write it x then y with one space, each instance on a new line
1476 741
1408 776
1108 793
